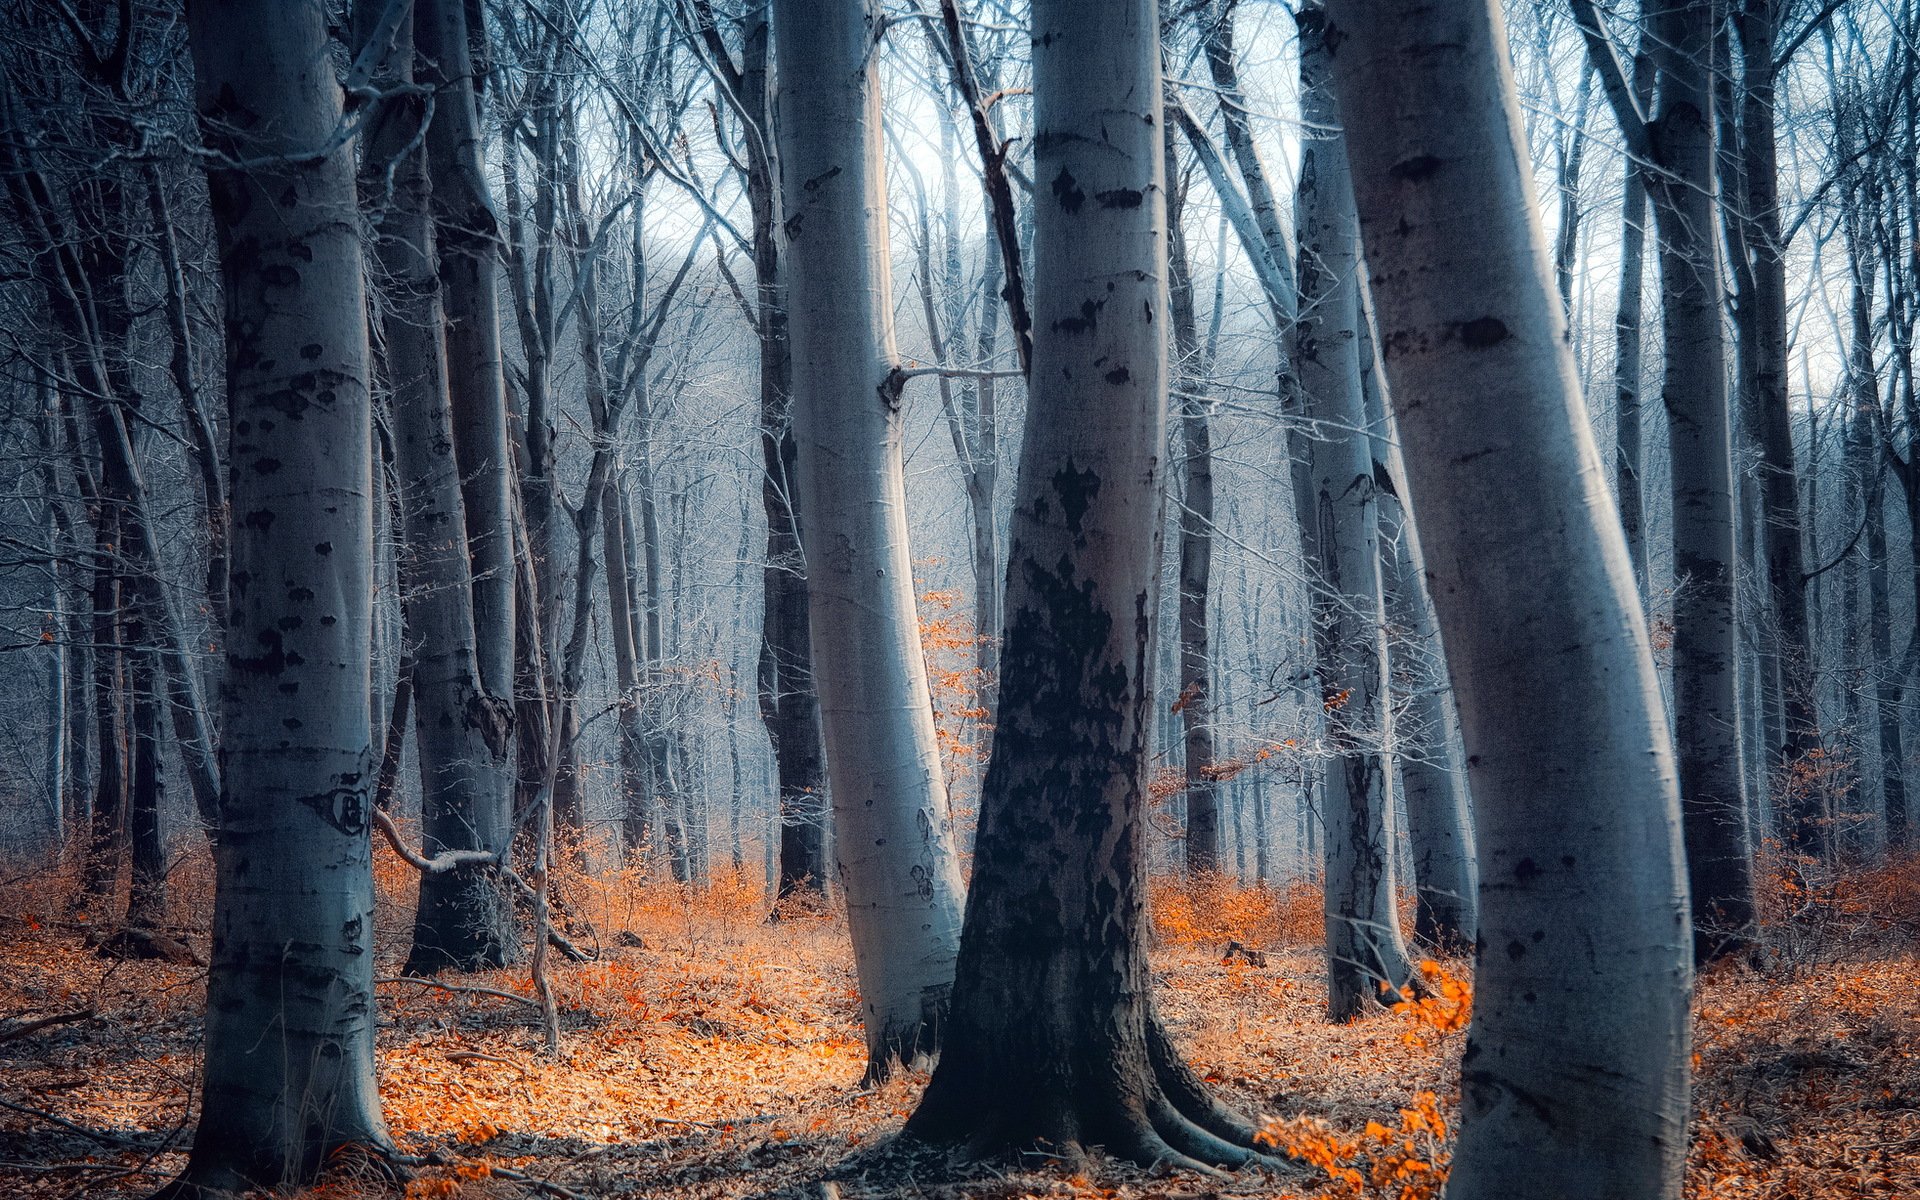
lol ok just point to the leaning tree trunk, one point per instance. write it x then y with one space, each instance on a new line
1366 954
462 733
893 849
1446 876
290 1007
789 707
1574 1083
1053 1036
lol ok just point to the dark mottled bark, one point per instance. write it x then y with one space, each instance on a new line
1053 1035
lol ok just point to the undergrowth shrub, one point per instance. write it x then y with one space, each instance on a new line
1211 910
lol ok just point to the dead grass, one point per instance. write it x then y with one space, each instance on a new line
721 1057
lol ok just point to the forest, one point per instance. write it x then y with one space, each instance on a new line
843 599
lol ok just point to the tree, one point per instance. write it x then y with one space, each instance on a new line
479 814
1676 139
1339 527
463 733
290 1009
1574 1081
893 849
789 706
1053 1034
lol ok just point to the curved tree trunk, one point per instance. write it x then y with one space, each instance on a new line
1574 1083
463 920
1446 875
1053 1035
893 849
290 1008
1366 953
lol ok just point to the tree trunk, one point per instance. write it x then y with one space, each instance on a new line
290 1007
1574 1083
147 791
1629 373
1764 342
1053 1036
1694 390
1366 954
109 713
462 732
1446 875
893 853
468 236
1195 702
789 706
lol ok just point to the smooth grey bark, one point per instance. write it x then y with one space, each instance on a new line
789 706
893 846
1677 141
1759 262
290 1008
1195 701
1053 1035
1868 482
106 814
468 242
1366 953
463 734
1433 779
1574 1082
1629 371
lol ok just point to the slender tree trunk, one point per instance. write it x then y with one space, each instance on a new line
1446 875
1765 320
1366 953
463 734
1054 1035
109 712
290 1007
1195 702
1694 390
1629 373
147 791
1574 1083
893 853
468 239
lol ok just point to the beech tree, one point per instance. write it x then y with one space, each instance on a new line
1053 1035
1366 953
1676 139
289 1077
460 919
1575 1077
893 850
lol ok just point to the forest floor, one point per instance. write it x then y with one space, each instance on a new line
710 1053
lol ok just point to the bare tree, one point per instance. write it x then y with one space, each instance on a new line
1574 1082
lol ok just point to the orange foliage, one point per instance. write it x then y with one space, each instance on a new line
1407 1161
1212 910
1443 1004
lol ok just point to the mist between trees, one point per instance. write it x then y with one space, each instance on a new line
969 475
